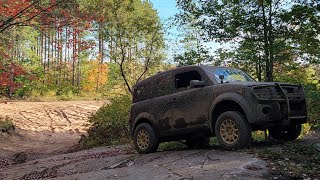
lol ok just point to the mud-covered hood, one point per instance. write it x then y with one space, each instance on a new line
252 84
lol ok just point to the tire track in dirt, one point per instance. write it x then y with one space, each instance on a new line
50 116
45 128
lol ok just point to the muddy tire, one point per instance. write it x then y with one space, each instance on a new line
233 131
286 133
145 139
198 142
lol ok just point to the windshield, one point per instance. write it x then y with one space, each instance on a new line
232 75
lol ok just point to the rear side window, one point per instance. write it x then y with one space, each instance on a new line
182 80
158 86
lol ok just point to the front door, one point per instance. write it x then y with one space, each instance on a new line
189 105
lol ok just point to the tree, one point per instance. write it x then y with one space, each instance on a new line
96 76
51 44
193 57
193 51
264 32
20 13
55 40
12 77
133 36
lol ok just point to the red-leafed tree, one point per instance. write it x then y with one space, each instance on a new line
11 77
22 12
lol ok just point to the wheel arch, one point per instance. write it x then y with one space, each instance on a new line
227 102
144 118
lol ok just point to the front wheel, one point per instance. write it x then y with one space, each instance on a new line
145 139
233 131
289 133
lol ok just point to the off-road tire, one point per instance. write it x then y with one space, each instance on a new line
198 142
243 130
153 141
285 133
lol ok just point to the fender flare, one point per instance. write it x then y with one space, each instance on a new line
147 116
237 98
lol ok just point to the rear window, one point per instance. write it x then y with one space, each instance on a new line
158 86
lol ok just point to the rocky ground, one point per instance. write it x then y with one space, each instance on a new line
47 132
119 163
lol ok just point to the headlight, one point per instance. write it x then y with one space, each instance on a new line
267 92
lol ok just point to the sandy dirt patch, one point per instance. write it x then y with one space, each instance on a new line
45 128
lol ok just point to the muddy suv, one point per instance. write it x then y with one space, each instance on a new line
193 103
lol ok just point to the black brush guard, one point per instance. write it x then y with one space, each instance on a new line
291 97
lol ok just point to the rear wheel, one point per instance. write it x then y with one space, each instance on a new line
145 139
289 133
233 131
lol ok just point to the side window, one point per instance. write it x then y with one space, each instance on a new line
159 86
163 85
182 80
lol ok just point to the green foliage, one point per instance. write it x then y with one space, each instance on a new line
6 124
193 57
262 34
133 31
306 129
313 95
309 77
258 136
173 145
110 123
128 32
293 160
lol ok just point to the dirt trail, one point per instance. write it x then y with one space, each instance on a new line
46 131
50 116
45 128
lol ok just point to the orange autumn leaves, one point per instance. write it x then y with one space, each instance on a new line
97 76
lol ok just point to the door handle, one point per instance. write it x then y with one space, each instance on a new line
174 100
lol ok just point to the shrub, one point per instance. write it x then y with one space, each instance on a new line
313 97
6 124
110 124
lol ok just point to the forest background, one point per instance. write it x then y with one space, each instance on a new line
98 49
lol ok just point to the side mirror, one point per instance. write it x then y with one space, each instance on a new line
221 77
197 83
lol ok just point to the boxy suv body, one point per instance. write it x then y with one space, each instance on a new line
193 103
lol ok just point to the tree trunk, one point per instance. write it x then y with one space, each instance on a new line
270 40
79 64
58 55
48 55
45 52
68 50
74 58
258 70
266 42
65 55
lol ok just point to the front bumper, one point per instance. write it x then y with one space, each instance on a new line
280 104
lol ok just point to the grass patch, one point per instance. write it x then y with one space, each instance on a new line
294 160
174 145
258 136
179 145
6 124
214 141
